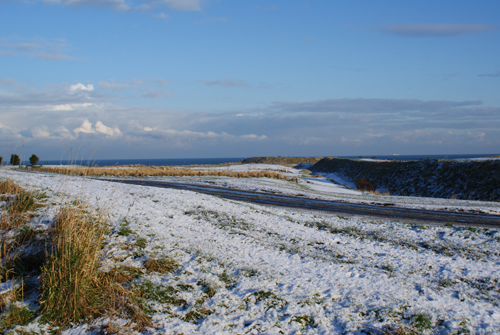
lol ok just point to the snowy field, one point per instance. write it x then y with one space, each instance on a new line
251 269
329 186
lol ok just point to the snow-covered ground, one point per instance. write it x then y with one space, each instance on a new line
277 270
330 186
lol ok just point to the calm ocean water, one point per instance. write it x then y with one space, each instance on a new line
190 161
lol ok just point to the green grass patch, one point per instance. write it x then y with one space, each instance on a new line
304 320
165 295
421 321
16 316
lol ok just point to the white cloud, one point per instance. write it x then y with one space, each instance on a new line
65 107
101 128
40 132
86 128
81 87
254 137
63 132
69 107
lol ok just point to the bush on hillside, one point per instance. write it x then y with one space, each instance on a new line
365 185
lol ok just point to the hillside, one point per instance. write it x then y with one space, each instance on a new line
469 180
281 160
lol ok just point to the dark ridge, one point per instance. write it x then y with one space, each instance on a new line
470 180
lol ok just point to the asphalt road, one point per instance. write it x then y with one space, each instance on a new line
380 210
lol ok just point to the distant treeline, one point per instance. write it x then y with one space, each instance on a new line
473 180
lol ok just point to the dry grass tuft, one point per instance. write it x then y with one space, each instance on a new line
124 274
71 283
19 201
124 303
8 295
9 187
10 221
162 265
73 289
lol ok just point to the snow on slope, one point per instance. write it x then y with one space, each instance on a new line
277 271
330 186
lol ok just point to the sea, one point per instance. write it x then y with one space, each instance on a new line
203 161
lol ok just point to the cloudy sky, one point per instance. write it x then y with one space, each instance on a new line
229 78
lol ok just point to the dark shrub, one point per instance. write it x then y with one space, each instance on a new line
365 185
14 159
34 159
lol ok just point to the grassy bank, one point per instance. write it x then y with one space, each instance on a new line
425 178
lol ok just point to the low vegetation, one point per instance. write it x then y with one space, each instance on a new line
468 180
72 287
144 171
281 160
66 259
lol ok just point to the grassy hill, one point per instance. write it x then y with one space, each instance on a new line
425 178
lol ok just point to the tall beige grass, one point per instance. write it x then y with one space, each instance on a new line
73 288
71 285
159 171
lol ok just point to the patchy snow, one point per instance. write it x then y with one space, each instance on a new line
480 159
277 270
331 186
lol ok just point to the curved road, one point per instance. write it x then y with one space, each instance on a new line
386 211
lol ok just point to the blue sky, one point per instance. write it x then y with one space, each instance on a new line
218 78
